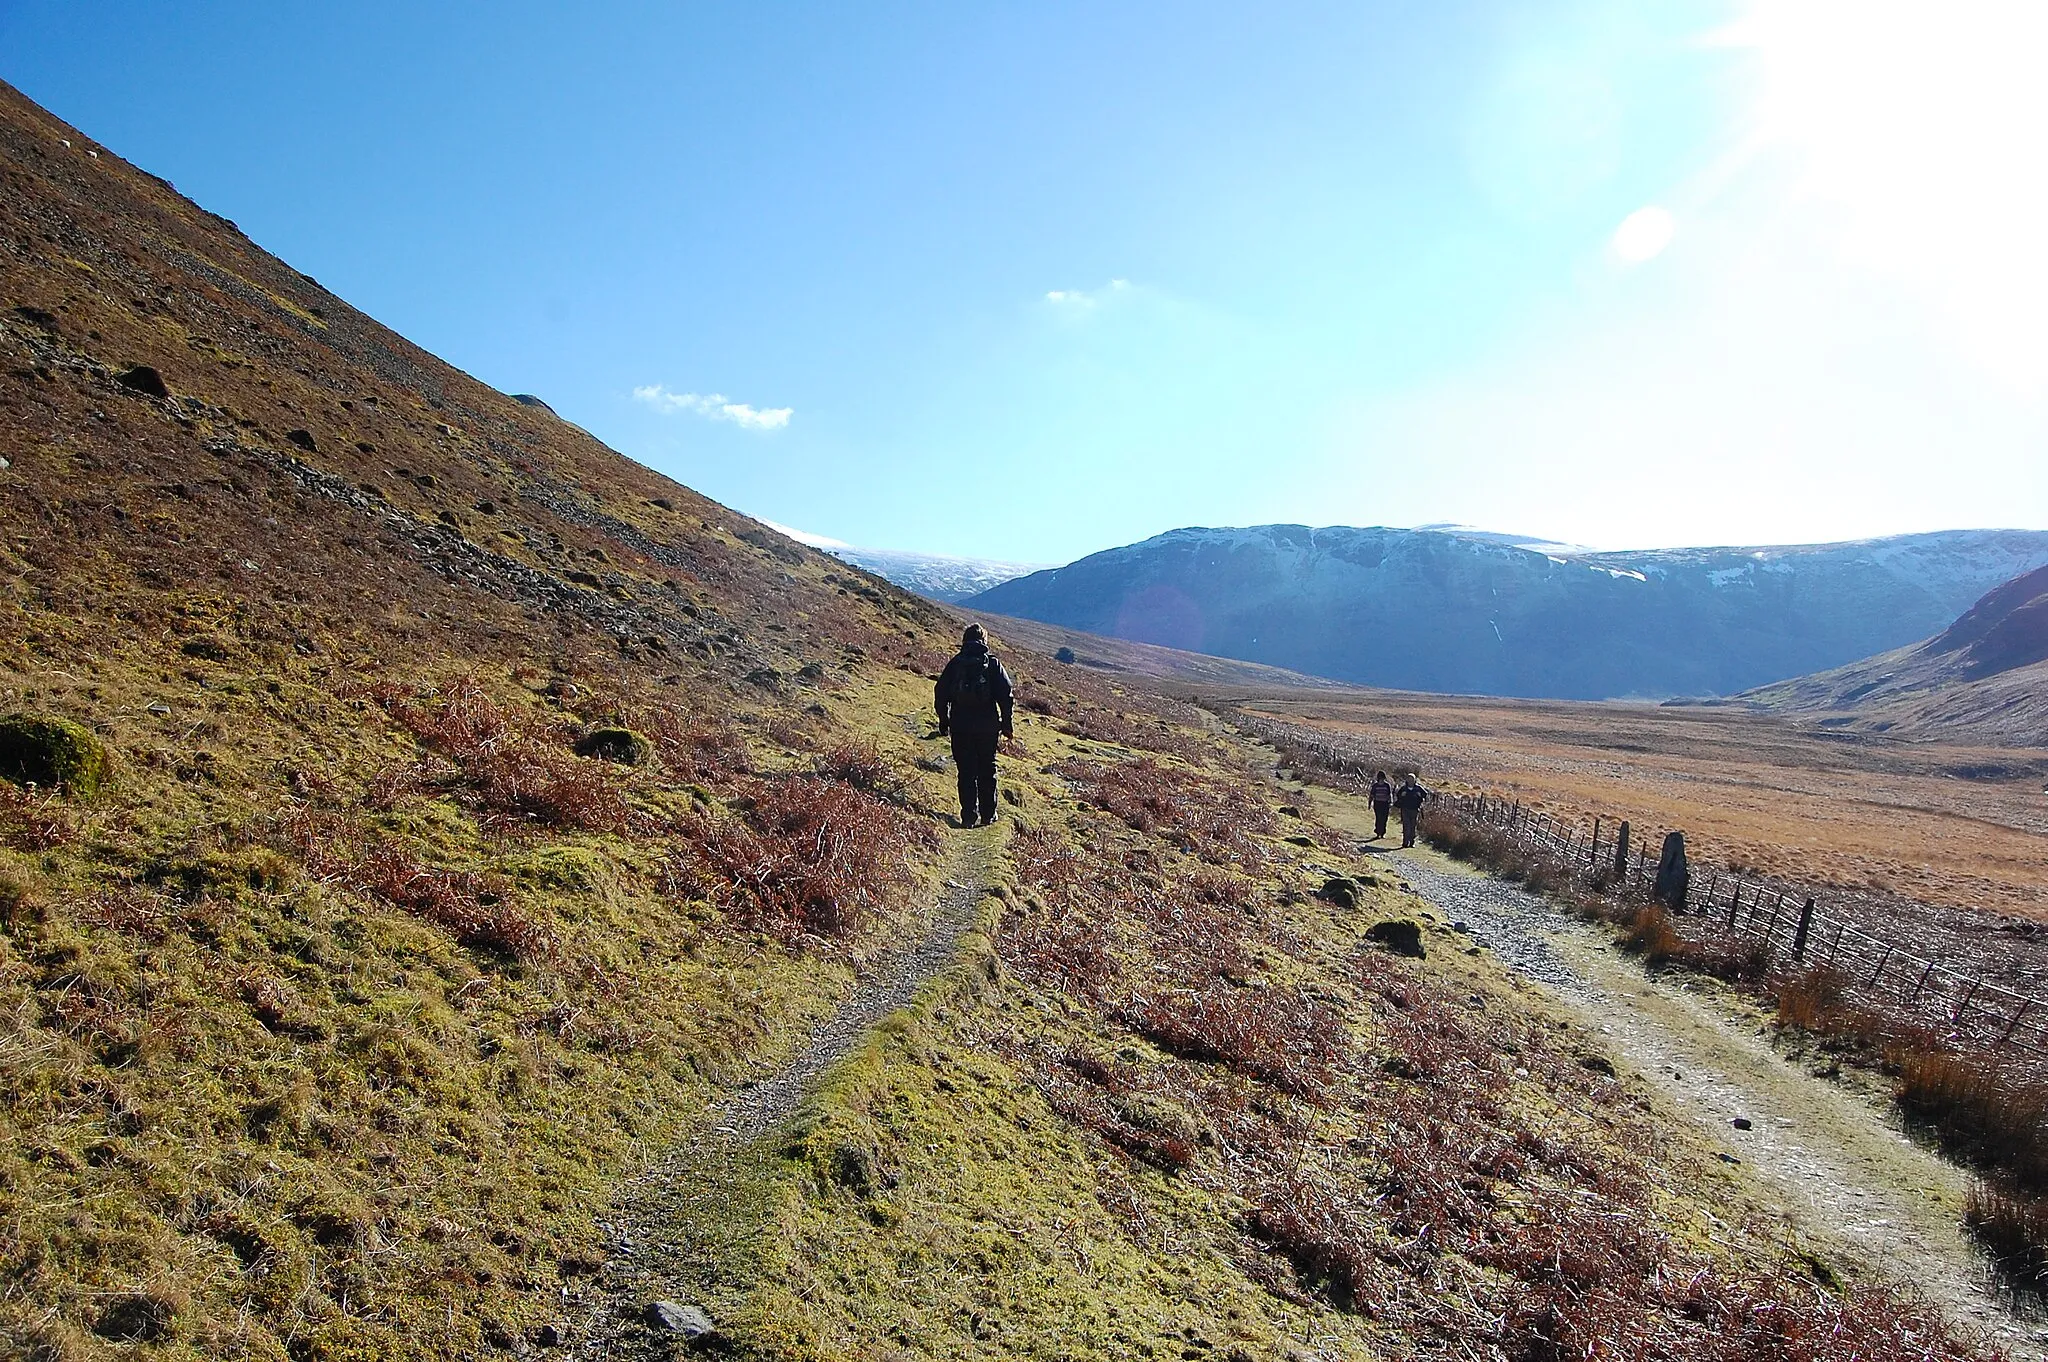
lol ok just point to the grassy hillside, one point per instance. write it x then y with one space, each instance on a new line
463 809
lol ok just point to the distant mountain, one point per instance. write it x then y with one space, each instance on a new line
1462 611
1983 679
932 574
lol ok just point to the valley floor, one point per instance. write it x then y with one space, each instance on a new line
1962 829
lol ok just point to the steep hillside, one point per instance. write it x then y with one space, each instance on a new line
416 821
460 828
1982 679
1452 611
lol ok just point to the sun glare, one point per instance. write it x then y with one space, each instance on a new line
1920 127
1644 234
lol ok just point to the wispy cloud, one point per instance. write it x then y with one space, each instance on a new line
714 407
1076 300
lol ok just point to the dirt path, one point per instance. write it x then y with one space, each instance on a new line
690 1223
1842 1176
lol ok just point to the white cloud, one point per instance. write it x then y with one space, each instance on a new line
714 407
1080 300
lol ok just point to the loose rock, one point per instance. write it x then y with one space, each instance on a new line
680 1318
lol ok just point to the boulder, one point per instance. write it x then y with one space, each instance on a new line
1342 891
304 440
1400 936
143 379
51 753
621 745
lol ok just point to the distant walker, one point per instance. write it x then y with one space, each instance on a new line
1409 800
1382 800
973 699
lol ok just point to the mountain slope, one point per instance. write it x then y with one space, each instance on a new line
469 811
1450 611
1982 679
933 575
437 735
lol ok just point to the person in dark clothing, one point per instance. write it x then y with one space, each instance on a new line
1409 800
973 699
1382 799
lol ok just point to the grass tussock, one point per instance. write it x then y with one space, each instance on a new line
2012 1225
1992 1114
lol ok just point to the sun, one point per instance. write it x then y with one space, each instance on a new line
1917 130
1644 234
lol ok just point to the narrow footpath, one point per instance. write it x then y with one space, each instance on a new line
699 1216
1835 1166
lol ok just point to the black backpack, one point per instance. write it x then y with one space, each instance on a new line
974 693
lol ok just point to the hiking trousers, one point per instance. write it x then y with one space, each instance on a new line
1408 826
975 756
1379 819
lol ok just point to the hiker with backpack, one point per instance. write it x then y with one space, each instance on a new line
1409 799
973 699
1382 797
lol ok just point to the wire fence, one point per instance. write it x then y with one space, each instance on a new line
1796 930
1791 929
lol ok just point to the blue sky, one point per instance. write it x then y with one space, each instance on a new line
1025 281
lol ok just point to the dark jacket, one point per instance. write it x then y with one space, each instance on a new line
974 695
1409 797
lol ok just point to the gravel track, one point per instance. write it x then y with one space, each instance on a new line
655 1239
1826 1160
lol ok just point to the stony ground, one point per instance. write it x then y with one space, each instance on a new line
1827 1159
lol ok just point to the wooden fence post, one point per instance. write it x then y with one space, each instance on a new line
1595 854
1734 905
2014 1025
1621 855
1914 996
1882 961
1963 1006
1799 936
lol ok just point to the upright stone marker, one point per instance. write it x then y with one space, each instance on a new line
1673 878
